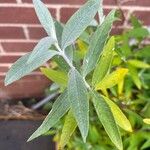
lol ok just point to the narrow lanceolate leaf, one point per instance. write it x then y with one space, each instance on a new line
21 68
58 77
79 22
120 118
112 79
104 63
43 45
59 108
146 120
68 129
106 117
138 64
135 76
45 18
97 43
78 97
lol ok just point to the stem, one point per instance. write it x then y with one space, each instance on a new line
62 53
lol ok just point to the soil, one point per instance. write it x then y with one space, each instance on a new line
12 110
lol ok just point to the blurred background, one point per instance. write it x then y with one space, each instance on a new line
20 31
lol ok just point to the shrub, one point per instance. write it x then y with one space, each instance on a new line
92 70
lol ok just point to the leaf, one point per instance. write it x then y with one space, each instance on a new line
58 77
97 43
104 63
112 79
43 45
45 18
79 22
120 118
78 97
138 33
21 68
68 129
146 120
59 108
106 117
138 63
146 145
134 74
144 52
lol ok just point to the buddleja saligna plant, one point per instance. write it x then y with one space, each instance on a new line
80 83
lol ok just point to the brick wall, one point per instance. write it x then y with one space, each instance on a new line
20 31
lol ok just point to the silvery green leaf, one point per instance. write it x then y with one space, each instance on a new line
79 22
43 45
59 108
21 68
45 18
106 117
59 29
78 96
97 43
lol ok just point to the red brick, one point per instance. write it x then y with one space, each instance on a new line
18 47
22 88
8 58
19 15
36 32
106 2
143 16
11 33
138 3
116 31
8 1
3 69
59 1
66 13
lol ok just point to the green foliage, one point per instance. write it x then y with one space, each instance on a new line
78 96
88 64
106 117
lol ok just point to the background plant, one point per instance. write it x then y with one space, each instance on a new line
86 70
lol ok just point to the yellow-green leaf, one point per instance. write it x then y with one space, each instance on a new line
56 76
138 64
120 87
146 120
112 79
119 116
104 63
134 74
68 129
107 119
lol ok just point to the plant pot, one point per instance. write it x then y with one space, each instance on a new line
14 135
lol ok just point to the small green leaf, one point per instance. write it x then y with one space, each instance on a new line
138 63
134 74
79 22
43 45
138 33
146 120
97 43
21 68
68 129
120 118
106 117
59 108
143 52
45 18
146 145
78 96
58 77
104 63
112 79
